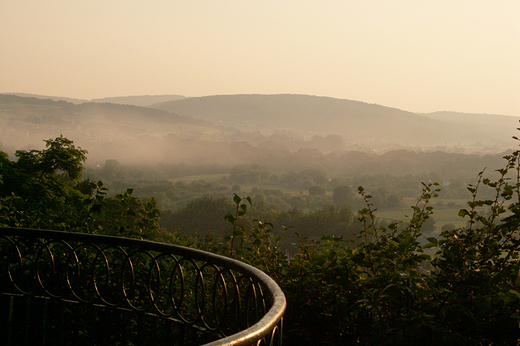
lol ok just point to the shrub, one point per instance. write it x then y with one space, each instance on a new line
392 286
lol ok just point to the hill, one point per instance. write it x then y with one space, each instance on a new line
242 129
107 129
45 97
472 118
357 122
141 100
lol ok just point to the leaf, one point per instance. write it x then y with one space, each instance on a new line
393 242
229 217
433 241
515 292
463 213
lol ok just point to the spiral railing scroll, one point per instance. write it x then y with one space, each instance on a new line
71 288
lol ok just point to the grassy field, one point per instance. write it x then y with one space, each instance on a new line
206 177
445 210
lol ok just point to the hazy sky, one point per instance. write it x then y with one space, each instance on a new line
416 55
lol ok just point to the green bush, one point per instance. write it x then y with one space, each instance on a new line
391 286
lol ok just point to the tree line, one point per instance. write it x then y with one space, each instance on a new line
391 177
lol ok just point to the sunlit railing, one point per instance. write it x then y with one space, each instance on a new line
61 288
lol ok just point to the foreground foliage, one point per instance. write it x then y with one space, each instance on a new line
391 286
388 285
43 189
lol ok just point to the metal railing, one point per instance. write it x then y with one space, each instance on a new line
61 288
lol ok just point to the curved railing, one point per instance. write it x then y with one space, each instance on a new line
72 288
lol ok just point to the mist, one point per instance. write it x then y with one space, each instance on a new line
241 129
289 151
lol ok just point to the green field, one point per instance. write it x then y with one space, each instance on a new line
206 177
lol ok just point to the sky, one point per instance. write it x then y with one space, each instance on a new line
415 55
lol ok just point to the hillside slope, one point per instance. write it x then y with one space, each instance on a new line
356 121
26 121
237 129
140 100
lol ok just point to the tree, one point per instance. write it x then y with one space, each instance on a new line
201 217
109 169
316 190
38 187
43 189
61 155
342 196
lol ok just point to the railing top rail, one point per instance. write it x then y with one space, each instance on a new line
256 331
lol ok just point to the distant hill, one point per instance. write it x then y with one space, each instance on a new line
43 97
473 118
26 121
30 107
141 100
356 121
305 115
234 129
